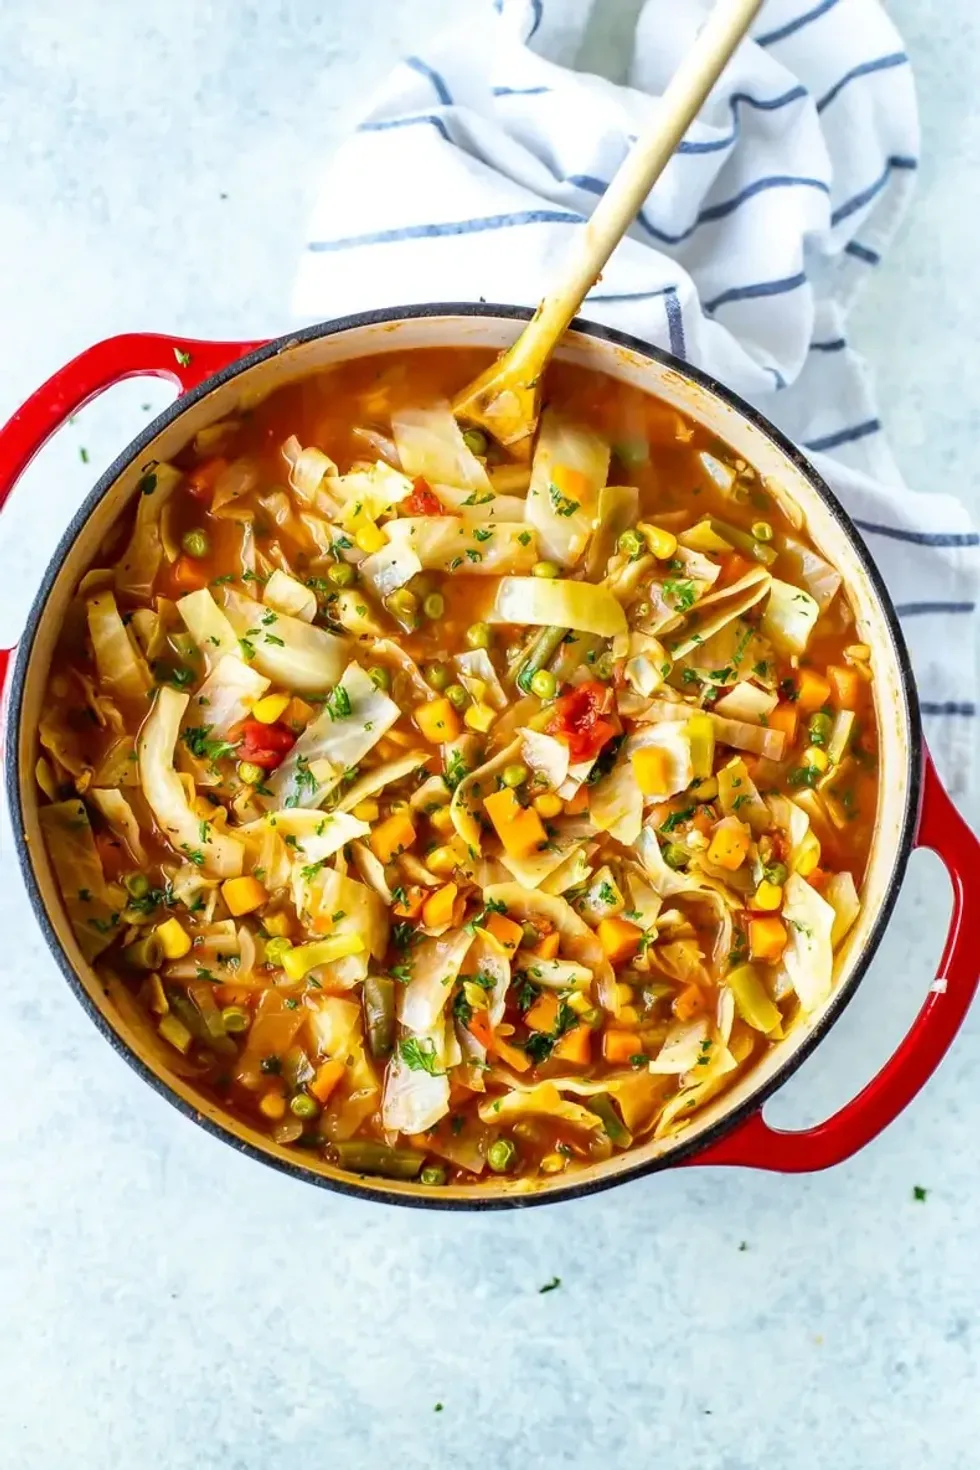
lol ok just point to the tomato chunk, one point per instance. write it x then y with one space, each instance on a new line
584 720
423 501
265 745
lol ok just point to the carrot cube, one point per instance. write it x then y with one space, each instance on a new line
544 1012
730 844
813 691
575 1046
328 1074
519 828
438 721
437 910
392 836
619 1046
785 717
619 938
846 685
505 933
688 1003
767 938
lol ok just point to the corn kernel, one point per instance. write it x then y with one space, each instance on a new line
442 861
628 1016
663 544
809 858
480 717
442 820
273 1106
818 759
553 1163
370 539
366 811
768 897
278 925
549 805
624 993
859 652
174 938
268 710
578 1002
476 995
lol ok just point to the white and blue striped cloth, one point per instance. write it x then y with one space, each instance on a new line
483 153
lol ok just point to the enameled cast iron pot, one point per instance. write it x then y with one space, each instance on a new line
216 378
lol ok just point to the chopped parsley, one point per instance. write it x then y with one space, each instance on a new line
562 504
680 593
479 534
551 1285
919 1194
420 1055
184 358
338 703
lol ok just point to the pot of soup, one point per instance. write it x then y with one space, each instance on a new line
455 827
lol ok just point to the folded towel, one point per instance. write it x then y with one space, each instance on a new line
481 155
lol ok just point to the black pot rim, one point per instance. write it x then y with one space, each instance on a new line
683 1152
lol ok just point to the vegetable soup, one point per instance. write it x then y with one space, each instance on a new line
446 813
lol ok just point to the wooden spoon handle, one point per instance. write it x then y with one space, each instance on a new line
636 176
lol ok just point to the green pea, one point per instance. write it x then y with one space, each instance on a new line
236 1019
380 678
434 605
604 666
502 1155
404 608
544 684
196 543
514 775
476 442
676 856
137 885
820 728
433 1174
438 676
777 873
457 696
631 543
250 773
762 531
547 569
304 1106
275 949
479 635
341 574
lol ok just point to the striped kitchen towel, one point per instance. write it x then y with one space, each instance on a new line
484 152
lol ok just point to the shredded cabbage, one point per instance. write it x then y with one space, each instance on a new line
808 959
136 572
292 653
122 668
789 617
450 543
430 443
538 602
208 626
341 735
564 521
287 595
93 908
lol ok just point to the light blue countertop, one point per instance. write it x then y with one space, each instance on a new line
168 1303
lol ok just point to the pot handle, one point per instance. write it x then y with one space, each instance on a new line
755 1145
131 355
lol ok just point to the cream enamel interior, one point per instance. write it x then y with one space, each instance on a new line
299 359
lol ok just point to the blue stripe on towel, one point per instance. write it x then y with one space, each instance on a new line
844 436
713 212
880 63
425 70
429 118
754 291
836 344
792 26
672 310
538 7
449 227
520 91
762 104
866 195
920 538
948 707
861 252
919 609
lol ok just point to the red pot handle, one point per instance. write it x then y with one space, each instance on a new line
134 354
755 1145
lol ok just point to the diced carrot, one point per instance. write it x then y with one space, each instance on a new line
438 909
817 877
479 1026
846 684
328 1074
203 477
575 1046
688 1003
520 829
651 768
188 575
767 938
730 844
504 931
732 568
619 1046
703 821
410 906
570 482
544 1012
438 721
785 717
619 938
579 803
233 995
512 1055
547 948
813 691
243 895
392 836
297 714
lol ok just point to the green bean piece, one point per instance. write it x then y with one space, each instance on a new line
762 531
196 543
137 885
250 773
617 1131
433 1174
743 542
475 441
479 635
145 953
173 1030
544 684
304 1106
502 1155
604 666
342 574
434 605
380 678
236 1020
514 775
546 569
438 677
363 1157
820 727
544 646
457 696
378 997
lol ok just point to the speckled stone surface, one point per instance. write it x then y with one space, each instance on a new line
168 1303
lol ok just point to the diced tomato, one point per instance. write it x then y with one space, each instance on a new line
582 720
203 477
422 501
265 745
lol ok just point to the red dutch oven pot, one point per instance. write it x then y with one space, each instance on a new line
215 378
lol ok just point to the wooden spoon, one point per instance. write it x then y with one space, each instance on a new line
505 399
